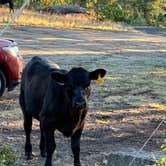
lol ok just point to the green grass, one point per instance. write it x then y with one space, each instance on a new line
8 156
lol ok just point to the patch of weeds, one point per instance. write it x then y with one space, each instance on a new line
8 156
162 161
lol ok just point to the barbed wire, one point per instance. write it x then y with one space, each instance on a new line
1 33
146 142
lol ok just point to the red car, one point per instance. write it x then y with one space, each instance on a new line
11 64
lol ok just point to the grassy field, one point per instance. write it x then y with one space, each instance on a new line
123 112
74 21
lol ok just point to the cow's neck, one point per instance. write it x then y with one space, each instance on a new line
72 123
79 122
74 118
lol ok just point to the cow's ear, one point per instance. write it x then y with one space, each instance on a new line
59 77
94 75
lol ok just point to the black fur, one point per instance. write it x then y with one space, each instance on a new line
58 99
10 2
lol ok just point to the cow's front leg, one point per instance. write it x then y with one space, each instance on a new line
28 129
42 143
50 145
75 145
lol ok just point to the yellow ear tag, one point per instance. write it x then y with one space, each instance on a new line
100 81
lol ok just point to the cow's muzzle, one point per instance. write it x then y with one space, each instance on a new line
80 105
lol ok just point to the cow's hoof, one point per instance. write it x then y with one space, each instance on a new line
77 163
43 153
48 164
29 155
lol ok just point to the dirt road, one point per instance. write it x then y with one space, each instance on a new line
122 113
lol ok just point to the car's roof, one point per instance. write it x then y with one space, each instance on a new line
4 42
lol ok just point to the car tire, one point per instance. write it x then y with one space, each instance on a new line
2 83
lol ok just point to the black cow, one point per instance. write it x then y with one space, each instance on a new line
58 99
10 2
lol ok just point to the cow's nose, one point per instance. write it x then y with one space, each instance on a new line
80 104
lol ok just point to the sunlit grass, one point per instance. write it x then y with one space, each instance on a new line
78 21
138 39
158 106
143 51
59 52
102 121
158 73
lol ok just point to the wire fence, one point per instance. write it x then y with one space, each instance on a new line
14 17
146 142
32 3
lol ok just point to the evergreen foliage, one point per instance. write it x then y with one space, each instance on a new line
137 12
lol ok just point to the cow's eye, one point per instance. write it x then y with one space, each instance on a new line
70 89
70 92
70 86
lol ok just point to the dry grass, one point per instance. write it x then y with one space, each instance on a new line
75 21
158 106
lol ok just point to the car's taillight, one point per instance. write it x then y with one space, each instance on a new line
12 50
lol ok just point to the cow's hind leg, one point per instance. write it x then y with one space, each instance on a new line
11 6
75 145
28 129
50 145
42 143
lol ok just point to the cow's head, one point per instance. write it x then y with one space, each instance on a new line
77 83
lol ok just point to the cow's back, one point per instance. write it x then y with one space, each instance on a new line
35 81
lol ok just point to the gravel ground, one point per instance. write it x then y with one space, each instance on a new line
122 113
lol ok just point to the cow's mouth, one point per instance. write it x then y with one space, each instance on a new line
80 106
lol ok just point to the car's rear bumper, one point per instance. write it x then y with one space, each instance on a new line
13 84
15 67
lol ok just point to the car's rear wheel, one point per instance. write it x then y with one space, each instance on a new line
2 83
